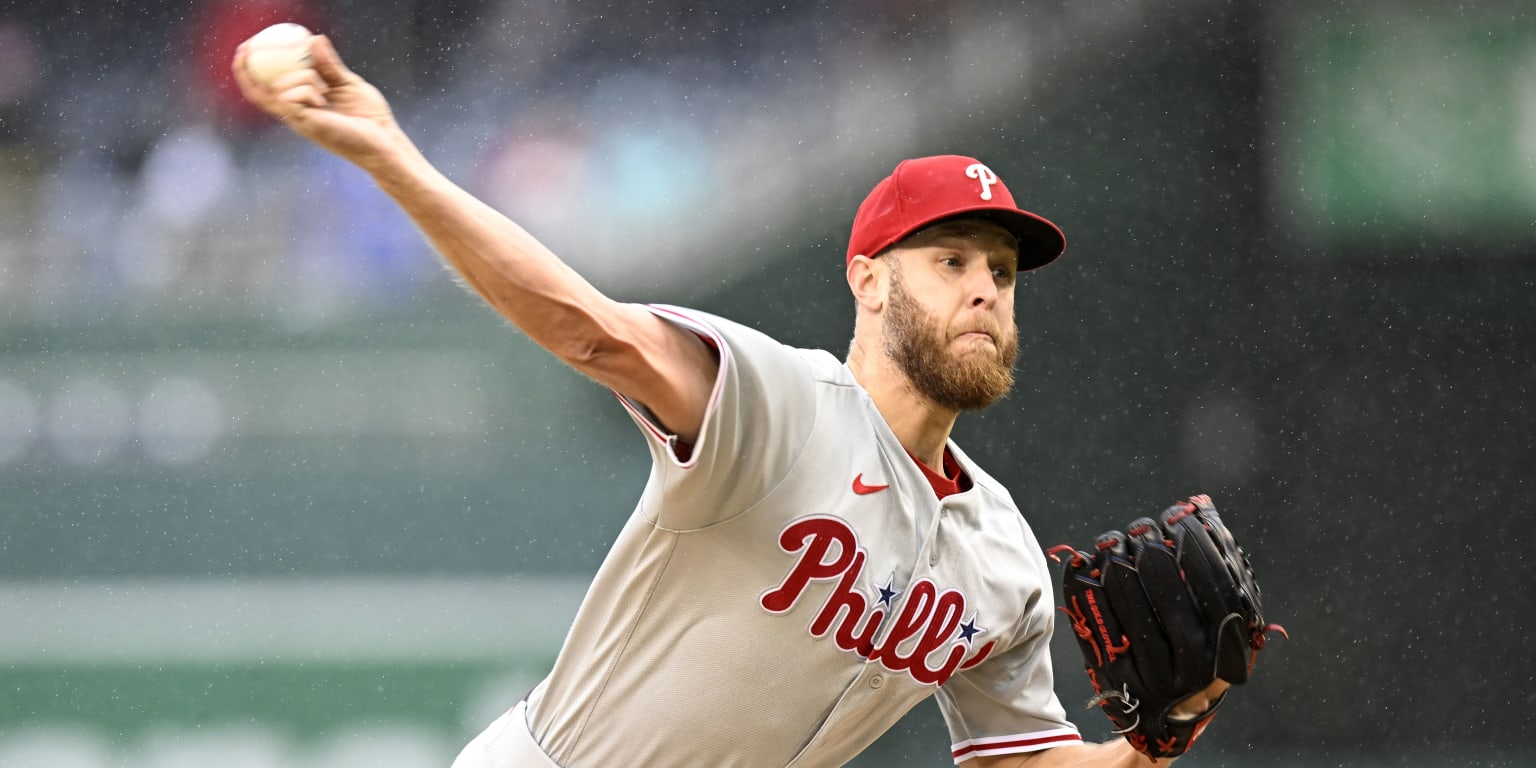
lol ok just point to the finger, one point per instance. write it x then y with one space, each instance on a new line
237 67
1200 703
1203 562
1097 632
300 79
255 92
291 78
301 96
1216 689
237 61
1169 597
1135 614
328 62
1214 585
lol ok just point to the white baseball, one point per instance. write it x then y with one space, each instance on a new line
277 50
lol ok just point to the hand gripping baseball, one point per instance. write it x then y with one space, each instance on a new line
1161 612
326 103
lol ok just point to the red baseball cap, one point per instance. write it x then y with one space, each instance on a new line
927 190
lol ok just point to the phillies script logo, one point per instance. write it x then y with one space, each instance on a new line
929 623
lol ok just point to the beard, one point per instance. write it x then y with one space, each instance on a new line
919 347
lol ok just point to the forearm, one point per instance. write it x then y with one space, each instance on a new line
622 346
332 106
1112 754
508 267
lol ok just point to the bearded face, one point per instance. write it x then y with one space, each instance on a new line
959 380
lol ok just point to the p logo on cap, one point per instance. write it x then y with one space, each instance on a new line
984 175
927 190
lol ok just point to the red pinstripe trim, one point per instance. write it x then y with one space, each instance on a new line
709 336
640 417
702 329
969 749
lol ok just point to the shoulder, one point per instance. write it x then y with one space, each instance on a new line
752 347
998 506
983 481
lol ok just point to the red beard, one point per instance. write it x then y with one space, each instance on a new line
961 382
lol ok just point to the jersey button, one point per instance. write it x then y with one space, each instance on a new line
876 681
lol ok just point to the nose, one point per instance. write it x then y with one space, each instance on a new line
981 287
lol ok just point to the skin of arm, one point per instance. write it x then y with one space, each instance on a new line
621 346
1110 754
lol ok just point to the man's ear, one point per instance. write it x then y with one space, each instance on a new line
866 281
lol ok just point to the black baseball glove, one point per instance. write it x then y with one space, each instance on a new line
1161 611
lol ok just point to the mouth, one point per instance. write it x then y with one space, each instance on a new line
974 335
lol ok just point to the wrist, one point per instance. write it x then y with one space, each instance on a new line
393 155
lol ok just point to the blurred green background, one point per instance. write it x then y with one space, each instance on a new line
274 491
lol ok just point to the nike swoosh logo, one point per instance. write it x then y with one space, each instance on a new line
864 490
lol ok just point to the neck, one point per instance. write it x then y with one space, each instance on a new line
922 426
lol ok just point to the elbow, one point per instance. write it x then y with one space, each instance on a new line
584 351
613 346
601 356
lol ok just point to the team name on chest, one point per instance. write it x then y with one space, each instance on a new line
930 626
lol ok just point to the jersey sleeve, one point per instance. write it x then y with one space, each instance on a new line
760 415
1008 703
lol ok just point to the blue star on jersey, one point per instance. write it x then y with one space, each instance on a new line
970 629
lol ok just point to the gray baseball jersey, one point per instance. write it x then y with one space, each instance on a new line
790 585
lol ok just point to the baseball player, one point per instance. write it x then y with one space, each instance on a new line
812 555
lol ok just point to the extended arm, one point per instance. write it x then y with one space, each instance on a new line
622 346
